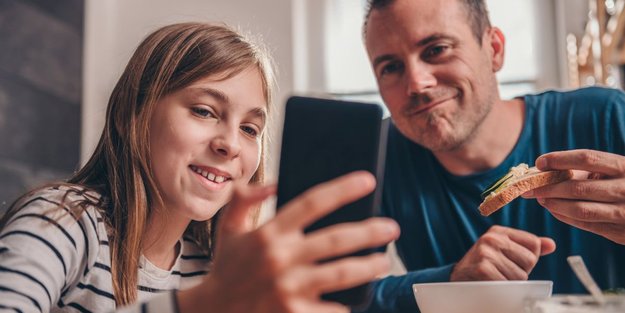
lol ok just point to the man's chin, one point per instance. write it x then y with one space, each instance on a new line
446 146
437 141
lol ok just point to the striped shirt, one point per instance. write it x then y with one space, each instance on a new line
53 262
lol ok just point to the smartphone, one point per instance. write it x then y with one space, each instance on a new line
323 139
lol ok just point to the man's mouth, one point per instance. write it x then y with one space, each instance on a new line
210 174
419 108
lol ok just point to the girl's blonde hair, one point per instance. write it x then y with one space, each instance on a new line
169 59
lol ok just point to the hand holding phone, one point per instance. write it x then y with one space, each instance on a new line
324 139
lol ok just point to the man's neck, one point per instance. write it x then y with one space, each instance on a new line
491 143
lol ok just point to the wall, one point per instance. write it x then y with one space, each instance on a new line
115 27
40 92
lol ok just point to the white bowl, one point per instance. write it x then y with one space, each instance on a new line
480 296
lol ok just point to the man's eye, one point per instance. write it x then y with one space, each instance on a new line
251 131
390 68
202 112
435 51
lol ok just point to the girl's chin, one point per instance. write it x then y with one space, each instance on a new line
203 211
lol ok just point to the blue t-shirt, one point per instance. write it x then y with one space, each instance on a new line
438 214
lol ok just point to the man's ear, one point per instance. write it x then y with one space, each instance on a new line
496 42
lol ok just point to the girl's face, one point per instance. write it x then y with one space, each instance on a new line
205 138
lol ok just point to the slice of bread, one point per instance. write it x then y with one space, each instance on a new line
519 185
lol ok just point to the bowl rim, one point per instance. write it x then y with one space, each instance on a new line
485 283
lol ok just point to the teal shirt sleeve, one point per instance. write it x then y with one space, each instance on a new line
394 293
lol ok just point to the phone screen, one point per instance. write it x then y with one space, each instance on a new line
323 139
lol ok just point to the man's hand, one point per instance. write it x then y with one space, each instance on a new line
502 253
594 200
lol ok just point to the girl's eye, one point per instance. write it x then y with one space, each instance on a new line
202 112
251 131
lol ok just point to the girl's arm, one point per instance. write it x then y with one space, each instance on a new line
44 251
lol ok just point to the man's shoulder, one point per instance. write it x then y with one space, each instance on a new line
587 95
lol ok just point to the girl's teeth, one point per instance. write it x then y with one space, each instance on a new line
209 176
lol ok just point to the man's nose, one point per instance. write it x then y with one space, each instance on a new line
419 78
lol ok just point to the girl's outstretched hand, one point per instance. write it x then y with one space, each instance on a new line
275 268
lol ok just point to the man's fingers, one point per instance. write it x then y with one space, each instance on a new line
584 210
537 245
323 199
346 238
547 246
521 256
510 269
588 160
604 190
489 271
611 231
236 216
525 239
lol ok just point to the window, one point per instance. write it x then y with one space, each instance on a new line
347 73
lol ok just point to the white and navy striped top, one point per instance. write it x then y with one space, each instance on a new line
51 262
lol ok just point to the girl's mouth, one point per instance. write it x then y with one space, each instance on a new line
209 175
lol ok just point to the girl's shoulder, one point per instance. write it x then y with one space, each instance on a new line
69 198
56 235
72 211
64 192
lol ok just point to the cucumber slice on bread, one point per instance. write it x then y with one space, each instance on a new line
519 180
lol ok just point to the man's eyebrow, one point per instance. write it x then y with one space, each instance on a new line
420 43
435 37
381 59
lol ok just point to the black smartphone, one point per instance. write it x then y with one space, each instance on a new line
323 139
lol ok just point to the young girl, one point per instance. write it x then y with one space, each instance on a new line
168 200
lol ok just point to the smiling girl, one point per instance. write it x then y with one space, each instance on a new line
161 218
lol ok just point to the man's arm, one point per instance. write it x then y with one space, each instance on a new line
394 293
502 253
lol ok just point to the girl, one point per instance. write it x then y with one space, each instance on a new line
168 200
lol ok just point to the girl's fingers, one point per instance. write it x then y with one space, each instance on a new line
323 199
342 239
322 306
344 273
235 217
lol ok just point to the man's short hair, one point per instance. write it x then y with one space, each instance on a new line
476 10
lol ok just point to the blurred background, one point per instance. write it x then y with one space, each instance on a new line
60 59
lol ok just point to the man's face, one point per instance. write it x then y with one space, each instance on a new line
436 79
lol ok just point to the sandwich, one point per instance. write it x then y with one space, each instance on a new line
519 180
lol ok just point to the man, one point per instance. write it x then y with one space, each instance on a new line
435 64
